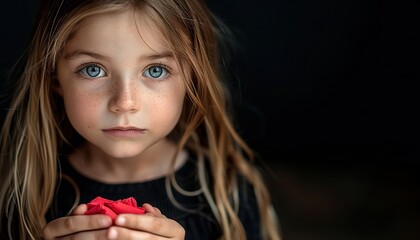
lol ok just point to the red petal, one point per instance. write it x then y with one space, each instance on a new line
94 209
100 200
130 201
120 207
101 209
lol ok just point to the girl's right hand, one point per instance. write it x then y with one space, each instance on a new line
78 226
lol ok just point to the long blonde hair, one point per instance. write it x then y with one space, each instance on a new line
33 134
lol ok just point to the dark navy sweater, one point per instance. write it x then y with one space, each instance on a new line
198 221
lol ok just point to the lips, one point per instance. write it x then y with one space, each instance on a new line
124 131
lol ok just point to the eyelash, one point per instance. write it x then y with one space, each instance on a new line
84 65
165 67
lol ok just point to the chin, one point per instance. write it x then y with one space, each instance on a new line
125 150
124 155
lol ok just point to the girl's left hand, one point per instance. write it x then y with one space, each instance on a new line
151 225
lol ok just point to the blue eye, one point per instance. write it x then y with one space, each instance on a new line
92 71
157 72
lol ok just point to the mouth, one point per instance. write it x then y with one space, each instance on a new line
124 131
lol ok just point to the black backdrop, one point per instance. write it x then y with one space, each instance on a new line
326 95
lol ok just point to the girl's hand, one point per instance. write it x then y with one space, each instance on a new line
151 225
78 226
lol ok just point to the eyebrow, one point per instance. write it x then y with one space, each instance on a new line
78 53
156 55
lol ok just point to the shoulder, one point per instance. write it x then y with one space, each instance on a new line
248 211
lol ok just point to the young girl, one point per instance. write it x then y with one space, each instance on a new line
123 98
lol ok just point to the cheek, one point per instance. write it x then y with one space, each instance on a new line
167 109
81 108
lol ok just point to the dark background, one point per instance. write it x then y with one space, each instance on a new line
326 93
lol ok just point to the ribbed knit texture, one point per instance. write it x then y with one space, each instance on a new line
199 223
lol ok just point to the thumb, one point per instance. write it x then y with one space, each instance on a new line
79 210
152 210
149 209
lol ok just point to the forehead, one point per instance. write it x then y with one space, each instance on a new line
116 30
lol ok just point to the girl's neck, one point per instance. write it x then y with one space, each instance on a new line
153 163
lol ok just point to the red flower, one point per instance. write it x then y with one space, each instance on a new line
111 208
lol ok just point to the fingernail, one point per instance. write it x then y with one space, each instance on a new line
112 234
120 220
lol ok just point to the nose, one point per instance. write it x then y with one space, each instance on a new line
124 97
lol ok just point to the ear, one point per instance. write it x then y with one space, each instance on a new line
56 85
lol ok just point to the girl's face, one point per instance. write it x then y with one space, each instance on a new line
121 86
